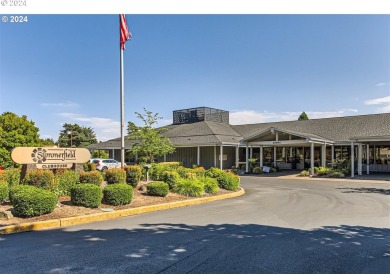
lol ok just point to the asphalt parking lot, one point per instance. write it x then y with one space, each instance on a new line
278 226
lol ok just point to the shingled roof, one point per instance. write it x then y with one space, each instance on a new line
338 130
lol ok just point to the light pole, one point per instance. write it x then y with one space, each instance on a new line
71 137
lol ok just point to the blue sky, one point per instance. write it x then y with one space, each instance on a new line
65 68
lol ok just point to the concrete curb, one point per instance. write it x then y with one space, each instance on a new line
295 177
63 222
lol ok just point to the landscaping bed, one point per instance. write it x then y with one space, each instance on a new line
44 195
66 209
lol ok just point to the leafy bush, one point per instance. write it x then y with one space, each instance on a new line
304 173
116 176
170 165
118 194
170 177
29 201
214 172
66 180
133 175
88 195
89 166
42 178
228 181
189 187
323 171
210 185
257 170
186 173
91 177
3 191
157 189
336 174
199 172
273 170
11 176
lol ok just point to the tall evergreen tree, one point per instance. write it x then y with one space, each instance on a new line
303 116
74 135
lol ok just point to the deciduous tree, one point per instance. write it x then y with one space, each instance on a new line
149 142
16 131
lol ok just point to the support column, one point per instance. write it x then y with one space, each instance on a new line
275 157
368 159
360 160
198 156
251 153
332 156
221 160
261 156
215 156
352 160
237 155
136 156
246 159
113 153
323 155
165 157
311 159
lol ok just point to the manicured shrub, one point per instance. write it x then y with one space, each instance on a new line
116 176
214 172
4 190
170 165
323 171
87 195
199 172
186 173
170 177
336 174
189 187
42 178
210 185
66 180
257 170
304 173
133 175
11 176
228 181
118 194
157 189
157 170
29 201
89 167
91 177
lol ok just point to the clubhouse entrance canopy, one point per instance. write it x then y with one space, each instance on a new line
204 137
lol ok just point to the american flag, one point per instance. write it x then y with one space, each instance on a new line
125 33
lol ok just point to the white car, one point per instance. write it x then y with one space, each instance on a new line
104 164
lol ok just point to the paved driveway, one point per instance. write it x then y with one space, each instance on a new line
279 226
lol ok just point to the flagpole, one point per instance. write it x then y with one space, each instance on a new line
122 102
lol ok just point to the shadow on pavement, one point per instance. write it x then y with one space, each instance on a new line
180 248
366 190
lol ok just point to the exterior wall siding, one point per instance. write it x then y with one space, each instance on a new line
186 155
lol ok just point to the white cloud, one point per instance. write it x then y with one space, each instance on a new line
104 128
251 116
384 101
64 104
382 84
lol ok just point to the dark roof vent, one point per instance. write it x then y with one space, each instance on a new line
193 115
